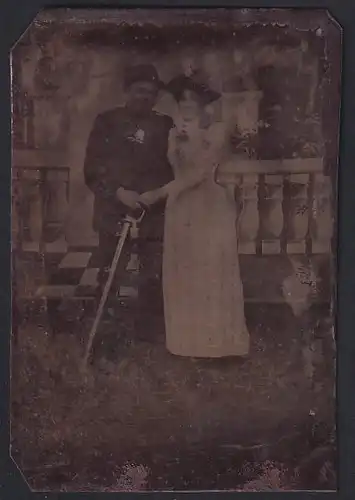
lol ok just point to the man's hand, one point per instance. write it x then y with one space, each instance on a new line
150 197
129 198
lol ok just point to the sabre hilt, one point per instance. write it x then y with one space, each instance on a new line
134 218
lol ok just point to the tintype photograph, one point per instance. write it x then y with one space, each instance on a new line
174 178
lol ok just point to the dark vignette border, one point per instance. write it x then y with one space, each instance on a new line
15 16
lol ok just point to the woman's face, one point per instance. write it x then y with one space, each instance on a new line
189 105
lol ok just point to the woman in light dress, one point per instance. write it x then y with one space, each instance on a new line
203 294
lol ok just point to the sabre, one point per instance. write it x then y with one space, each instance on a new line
130 222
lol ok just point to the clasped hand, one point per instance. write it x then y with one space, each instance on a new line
134 200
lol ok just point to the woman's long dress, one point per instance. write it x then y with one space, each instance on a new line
203 295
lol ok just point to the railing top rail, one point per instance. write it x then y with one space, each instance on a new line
39 174
21 168
237 166
38 158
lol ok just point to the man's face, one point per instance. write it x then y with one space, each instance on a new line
142 97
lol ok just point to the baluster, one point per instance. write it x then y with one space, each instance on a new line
298 222
322 220
56 208
32 192
249 218
272 217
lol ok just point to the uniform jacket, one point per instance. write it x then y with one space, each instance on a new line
124 151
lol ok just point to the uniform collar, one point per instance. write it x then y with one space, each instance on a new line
137 116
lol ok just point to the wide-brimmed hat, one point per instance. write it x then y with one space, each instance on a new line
142 73
180 83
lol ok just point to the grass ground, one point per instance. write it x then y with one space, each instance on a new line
190 424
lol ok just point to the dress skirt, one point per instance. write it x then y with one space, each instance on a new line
203 293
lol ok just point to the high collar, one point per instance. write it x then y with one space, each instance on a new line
136 115
187 126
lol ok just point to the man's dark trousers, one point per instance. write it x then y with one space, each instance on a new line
149 310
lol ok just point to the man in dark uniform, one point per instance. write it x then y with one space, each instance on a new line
126 156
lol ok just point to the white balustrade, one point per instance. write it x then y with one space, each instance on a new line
32 210
293 204
249 218
322 217
41 204
298 217
272 216
268 223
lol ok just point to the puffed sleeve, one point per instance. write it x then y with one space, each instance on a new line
172 150
209 153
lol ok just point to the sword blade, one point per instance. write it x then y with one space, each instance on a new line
125 231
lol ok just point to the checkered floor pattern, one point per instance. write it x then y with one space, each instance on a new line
73 273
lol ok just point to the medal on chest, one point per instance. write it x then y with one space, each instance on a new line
138 136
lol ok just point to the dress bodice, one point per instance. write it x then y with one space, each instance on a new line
192 147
